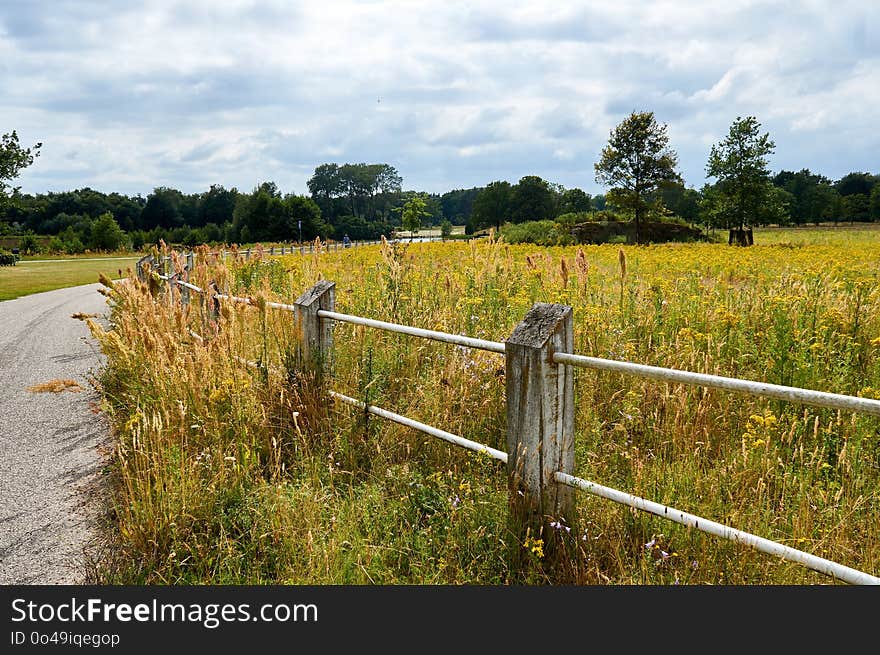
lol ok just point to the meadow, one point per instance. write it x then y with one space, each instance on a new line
28 277
225 473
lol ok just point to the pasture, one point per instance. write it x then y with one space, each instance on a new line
224 474
28 277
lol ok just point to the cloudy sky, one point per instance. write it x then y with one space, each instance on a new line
127 96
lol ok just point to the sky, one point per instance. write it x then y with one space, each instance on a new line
128 96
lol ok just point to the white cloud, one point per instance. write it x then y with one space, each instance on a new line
454 94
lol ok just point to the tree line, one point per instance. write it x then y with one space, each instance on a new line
366 200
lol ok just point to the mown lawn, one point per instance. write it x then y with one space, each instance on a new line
28 277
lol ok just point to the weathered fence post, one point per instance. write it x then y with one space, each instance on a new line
184 277
213 302
540 426
316 348
146 260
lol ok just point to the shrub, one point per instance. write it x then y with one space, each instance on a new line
29 244
570 219
56 246
106 234
542 233
445 228
73 246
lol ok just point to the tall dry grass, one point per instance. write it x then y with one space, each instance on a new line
234 473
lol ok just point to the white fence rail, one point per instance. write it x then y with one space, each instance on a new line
540 386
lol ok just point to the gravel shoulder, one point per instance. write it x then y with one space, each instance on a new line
50 443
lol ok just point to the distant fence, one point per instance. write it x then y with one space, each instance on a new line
540 400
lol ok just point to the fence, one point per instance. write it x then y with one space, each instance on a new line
539 385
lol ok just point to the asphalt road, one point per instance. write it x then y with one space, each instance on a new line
49 442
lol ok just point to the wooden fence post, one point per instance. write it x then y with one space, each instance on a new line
540 425
184 291
316 349
213 302
146 260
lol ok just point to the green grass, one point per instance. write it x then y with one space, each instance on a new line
34 277
843 234
226 474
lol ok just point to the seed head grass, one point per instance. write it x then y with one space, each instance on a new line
248 474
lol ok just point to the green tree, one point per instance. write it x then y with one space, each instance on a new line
802 185
853 183
635 162
162 209
216 205
302 209
492 205
777 209
28 244
532 199
825 204
458 204
739 163
106 233
875 203
445 228
575 200
856 207
413 212
680 200
13 159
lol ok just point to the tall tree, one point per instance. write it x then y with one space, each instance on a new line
413 213
825 204
13 159
634 163
106 234
680 200
216 205
458 204
857 207
363 190
802 185
575 200
853 183
532 200
739 163
492 205
162 209
875 203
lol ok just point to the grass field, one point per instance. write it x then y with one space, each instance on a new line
28 277
227 475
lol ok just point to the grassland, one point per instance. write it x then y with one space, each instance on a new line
225 474
28 277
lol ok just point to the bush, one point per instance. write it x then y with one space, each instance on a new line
607 216
7 259
542 233
138 239
106 234
29 245
56 246
445 228
74 246
570 219
359 229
